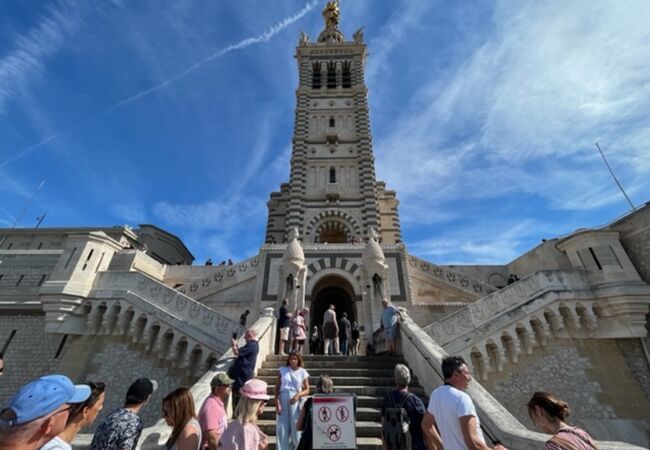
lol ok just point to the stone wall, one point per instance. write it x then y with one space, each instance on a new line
118 363
592 376
232 302
30 354
495 275
543 257
635 238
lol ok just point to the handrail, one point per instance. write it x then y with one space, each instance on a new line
153 437
472 316
424 356
163 298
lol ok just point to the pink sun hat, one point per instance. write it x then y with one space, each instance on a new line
255 390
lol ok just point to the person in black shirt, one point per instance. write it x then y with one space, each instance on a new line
410 402
284 320
243 368
354 339
345 329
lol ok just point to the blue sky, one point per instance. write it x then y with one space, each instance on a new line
484 116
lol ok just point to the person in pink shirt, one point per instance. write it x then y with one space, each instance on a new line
243 433
212 416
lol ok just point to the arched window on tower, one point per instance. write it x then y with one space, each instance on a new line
346 77
332 122
331 75
315 79
332 175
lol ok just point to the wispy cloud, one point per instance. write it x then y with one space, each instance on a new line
242 44
490 242
132 213
25 63
519 113
211 215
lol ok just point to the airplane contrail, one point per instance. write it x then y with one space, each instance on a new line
264 37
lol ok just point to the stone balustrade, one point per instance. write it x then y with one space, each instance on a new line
178 329
154 437
223 277
475 288
525 315
424 356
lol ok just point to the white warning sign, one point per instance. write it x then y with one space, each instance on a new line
333 422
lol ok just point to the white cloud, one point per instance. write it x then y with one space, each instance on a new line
25 63
521 112
488 242
58 34
211 215
132 213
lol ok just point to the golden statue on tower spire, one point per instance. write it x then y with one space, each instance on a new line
331 14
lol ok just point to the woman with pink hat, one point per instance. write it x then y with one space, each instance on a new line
243 433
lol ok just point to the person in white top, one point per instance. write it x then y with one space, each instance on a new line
179 413
453 412
81 415
292 385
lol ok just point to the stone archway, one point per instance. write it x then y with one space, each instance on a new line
332 290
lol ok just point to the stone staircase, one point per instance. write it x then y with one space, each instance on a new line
369 377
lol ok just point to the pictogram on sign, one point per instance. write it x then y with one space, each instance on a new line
334 433
324 414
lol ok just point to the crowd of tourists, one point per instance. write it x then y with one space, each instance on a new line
336 336
49 412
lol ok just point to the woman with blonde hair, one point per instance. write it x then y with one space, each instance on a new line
549 413
243 433
179 413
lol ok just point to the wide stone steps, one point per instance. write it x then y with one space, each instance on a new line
363 443
369 377
377 391
338 381
334 372
364 429
363 413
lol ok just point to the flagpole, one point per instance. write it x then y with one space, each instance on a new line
29 202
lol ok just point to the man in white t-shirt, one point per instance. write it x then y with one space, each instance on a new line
453 412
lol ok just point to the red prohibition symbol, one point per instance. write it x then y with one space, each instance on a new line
334 433
342 413
324 414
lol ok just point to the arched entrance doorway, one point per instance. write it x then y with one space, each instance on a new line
332 290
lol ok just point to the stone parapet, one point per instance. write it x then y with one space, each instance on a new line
475 288
221 278
149 297
546 305
154 437
424 356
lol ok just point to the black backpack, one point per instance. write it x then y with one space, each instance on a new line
396 427
307 436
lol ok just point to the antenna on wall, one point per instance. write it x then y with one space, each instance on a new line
29 202
39 219
615 179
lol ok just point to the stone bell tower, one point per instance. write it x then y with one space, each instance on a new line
332 195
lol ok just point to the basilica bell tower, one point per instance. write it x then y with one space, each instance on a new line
332 195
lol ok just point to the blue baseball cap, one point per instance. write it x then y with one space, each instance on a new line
42 397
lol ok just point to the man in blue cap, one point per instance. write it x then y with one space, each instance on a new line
38 412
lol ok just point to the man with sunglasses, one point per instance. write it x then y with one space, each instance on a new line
38 412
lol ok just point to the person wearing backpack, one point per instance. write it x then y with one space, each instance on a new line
401 414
